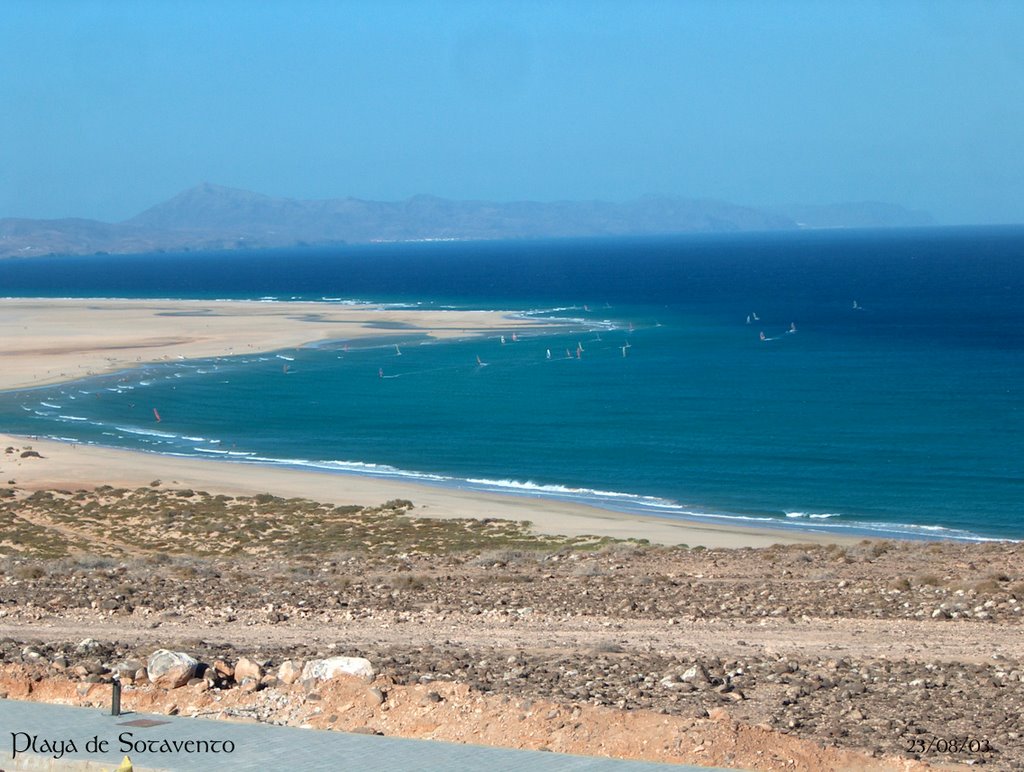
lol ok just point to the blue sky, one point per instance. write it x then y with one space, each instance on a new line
110 107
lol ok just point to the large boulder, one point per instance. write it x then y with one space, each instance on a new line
170 669
325 669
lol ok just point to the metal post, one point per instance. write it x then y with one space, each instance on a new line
115 697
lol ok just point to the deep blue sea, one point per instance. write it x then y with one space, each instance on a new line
901 416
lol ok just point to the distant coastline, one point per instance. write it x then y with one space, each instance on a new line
212 217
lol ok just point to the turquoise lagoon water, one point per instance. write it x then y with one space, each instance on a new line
901 417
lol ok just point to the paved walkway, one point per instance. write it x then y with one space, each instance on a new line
255 746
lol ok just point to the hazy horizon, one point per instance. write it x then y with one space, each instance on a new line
114 107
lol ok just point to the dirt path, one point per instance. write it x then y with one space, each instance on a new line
881 639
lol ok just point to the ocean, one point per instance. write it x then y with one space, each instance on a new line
885 399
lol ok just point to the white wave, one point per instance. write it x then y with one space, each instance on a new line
536 311
813 515
51 405
355 467
376 469
72 418
193 439
564 490
239 453
347 301
286 359
146 432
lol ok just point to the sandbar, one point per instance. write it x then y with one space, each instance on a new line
53 340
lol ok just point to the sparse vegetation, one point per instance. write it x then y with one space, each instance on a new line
160 523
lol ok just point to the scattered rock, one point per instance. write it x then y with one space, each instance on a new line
290 671
246 668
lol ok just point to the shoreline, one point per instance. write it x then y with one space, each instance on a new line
68 466
57 340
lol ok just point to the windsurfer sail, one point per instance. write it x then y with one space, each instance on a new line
156 415
763 337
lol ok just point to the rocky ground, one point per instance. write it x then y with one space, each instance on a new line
876 655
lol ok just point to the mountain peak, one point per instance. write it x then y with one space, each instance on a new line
205 206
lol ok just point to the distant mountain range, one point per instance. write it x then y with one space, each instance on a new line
210 217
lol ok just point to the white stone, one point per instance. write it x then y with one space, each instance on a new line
325 669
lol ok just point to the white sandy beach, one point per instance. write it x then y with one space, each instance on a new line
48 341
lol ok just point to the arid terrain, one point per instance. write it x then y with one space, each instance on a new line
877 655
